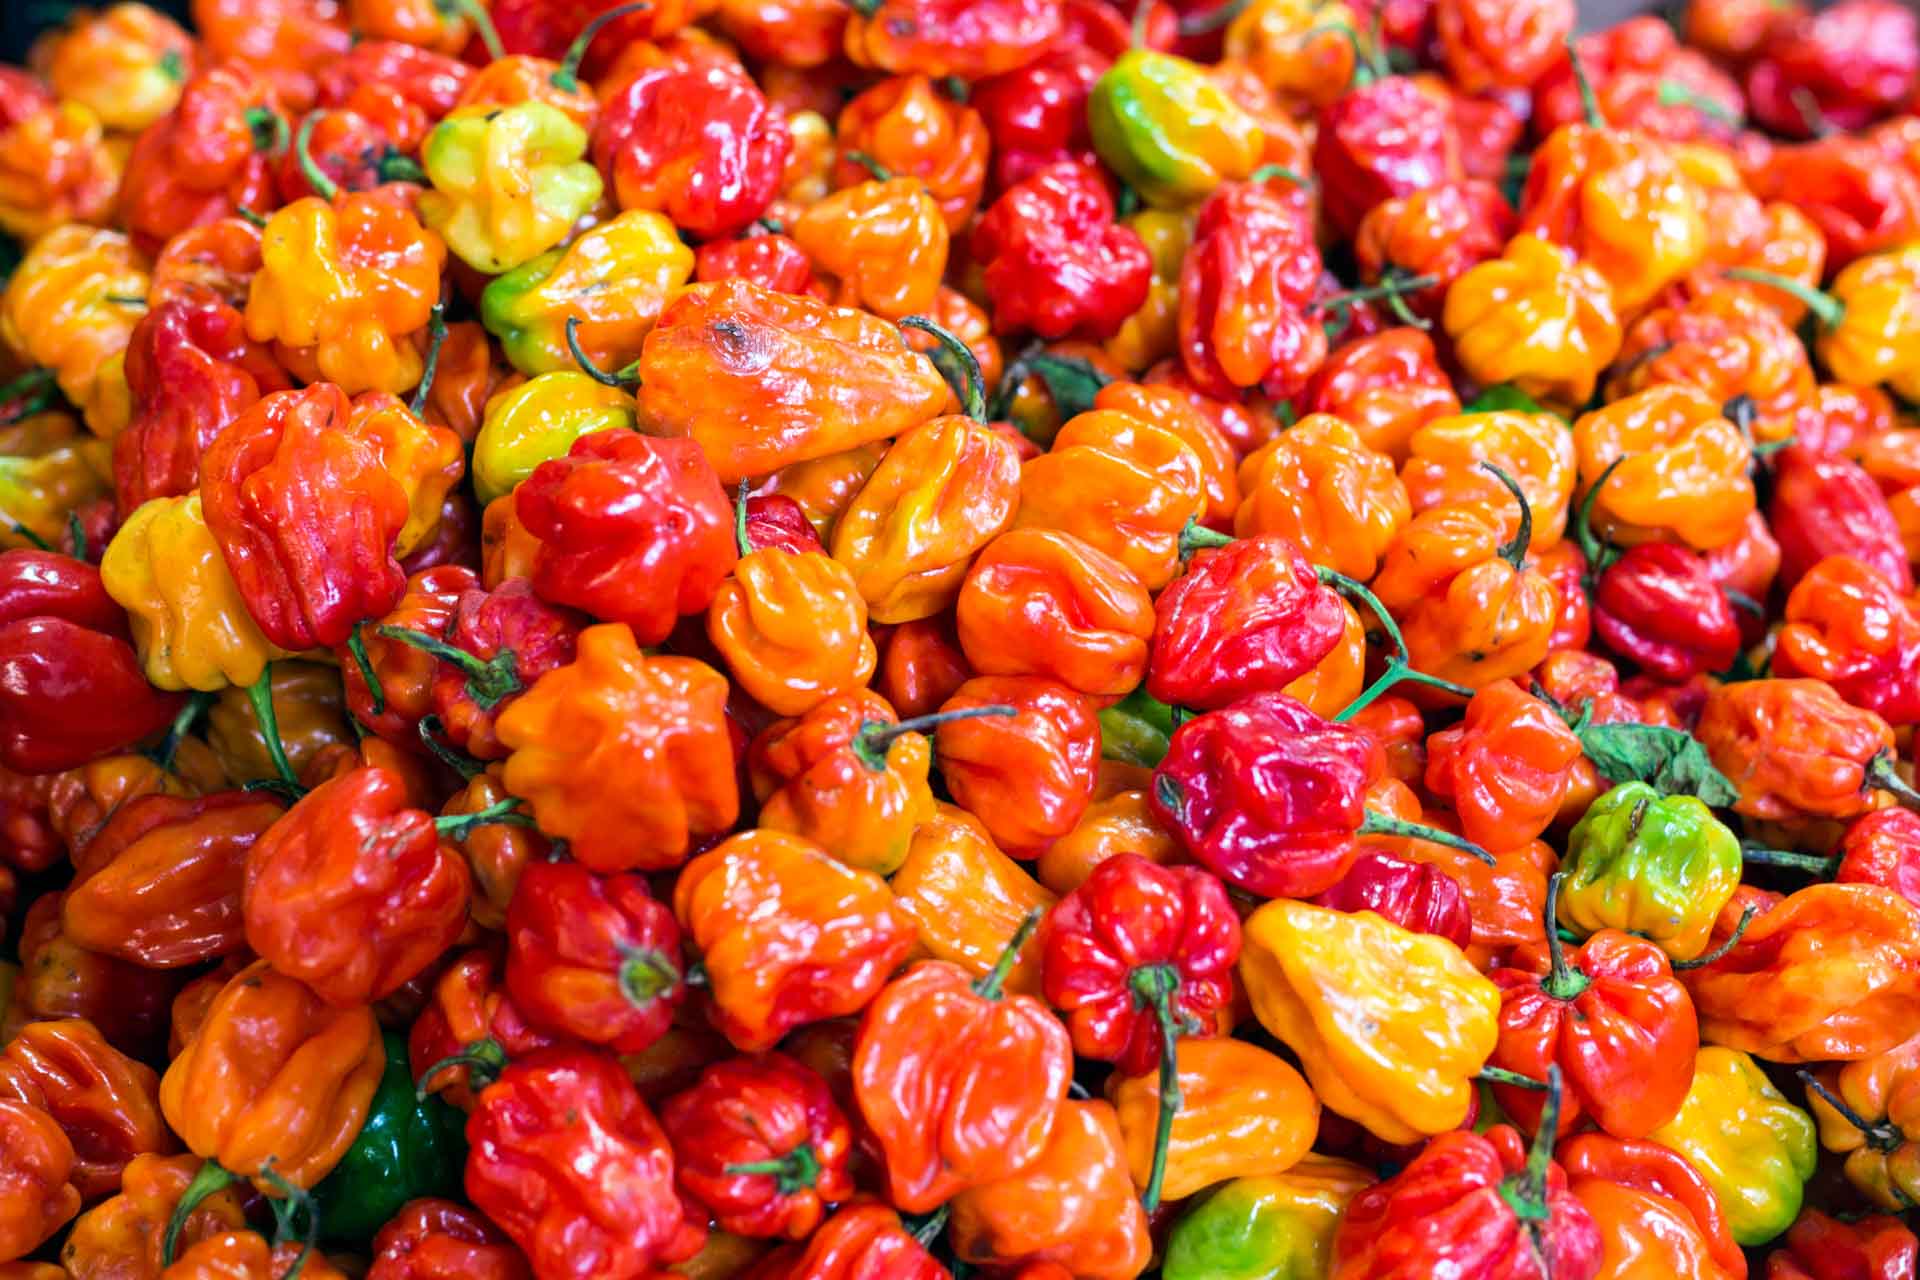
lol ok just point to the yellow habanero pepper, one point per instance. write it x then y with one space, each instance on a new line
1536 317
39 488
1151 333
1679 469
967 898
540 419
190 625
1390 1025
70 305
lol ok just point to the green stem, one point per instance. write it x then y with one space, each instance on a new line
1826 308
503 813
871 743
742 545
436 335
39 543
1399 665
250 217
876 170
1268 172
429 729
1733 940
1196 537
1387 288
269 130
260 694
1155 986
489 680
1379 824
627 377
1589 102
989 987
1881 773
211 1180
566 76
973 395
197 705
1807 862
1515 552
289 1203
1675 94
1511 1079
397 166
646 975
483 1060
323 186
1598 555
1883 1137
476 13
1563 981
794 1172
357 647
77 534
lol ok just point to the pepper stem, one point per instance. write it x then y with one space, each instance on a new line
1526 1192
476 13
1200 24
973 391
566 77
1733 940
269 130
211 1180
876 170
260 694
1884 1136
323 186
503 813
285 1206
250 217
397 166
796 1171
989 987
197 704
39 543
1881 773
1511 1079
489 680
357 647
1155 986
1589 101
742 545
1807 862
1515 552
1674 94
436 336
646 975
875 736
1387 288
483 1060
1379 824
1826 308
1563 981
1399 665
430 728
1268 172
1196 537
1598 555
627 377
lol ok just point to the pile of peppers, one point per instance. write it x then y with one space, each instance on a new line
939 639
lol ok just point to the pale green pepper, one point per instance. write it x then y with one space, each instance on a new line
1658 866
508 182
1169 131
524 426
1276 1227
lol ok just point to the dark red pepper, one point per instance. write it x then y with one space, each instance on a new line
1036 116
1056 262
1247 292
1826 506
1840 68
761 1146
1382 139
1656 606
1414 895
771 261
1883 848
71 687
431 81
1822 1248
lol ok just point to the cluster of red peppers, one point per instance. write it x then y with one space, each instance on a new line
899 639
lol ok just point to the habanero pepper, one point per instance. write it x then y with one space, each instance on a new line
1818 1246
1652 1208
1247 294
1022 753
508 182
908 129
1659 866
1505 768
1754 1148
884 241
1417 897
1537 317
1320 487
1825 505
1056 262
1382 139
435 1239
966 897
1795 748
410 1146
1168 130
1847 625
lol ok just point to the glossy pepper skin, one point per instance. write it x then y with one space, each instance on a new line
862 1238
1753 1147
960 1083
1417 897
1877 849
1828 973
1653 1210
1249 617
211 154
242 1089
1390 1025
569 1162
911 130
105 1102
1843 68
1847 625
1825 505
760 380
528 307
1818 1246
1505 768
1486 44
761 1144
123 1234
1439 231
192 371
792 626
1320 487
1057 263
632 530
1680 469
73 685
1864 1110
1657 606
508 183
1661 867
947 38
58 312
1246 289
512 638
966 897
1028 776
469 1027
658 153
1378 141
885 242
743 902
435 1239
1793 747
845 776
525 425
40 1198
305 514
658 721
1169 131
380 279
409 1146
596 958
1277 1226
1536 317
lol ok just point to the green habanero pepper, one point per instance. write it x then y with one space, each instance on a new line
613 279
1753 1147
524 426
1168 130
1658 866
409 1147
1135 730
1275 1227
508 182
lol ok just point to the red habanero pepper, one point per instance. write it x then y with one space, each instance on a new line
1056 262
1841 68
191 370
697 143
971 39
431 81
1439 232
351 149
434 1239
593 957
772 261
1414 895
1036 115
389 684
1860 203
569 1162
1653 1205
761 1145
1643 77
776 522
861 1241
632 529
1827 505
470 1029
1247 290
1382 139
1819 1247
71 686
210 156
1505 768
1248 617
1883 848
1847 625
1657 606
306 514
